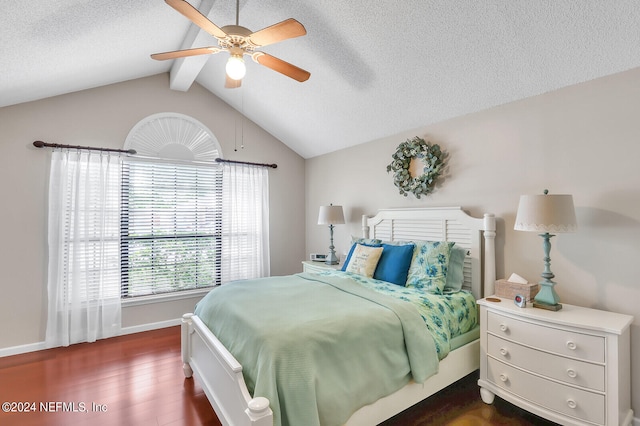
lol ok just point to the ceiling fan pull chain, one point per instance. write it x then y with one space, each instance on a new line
235 135
242 118
235 138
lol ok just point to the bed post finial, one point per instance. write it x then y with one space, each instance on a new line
259 412
490 254
365 227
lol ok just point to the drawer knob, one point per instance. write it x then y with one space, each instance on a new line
572 373
504 327
504 351
571 345
504 377
571 404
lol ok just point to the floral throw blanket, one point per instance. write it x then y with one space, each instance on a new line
446 316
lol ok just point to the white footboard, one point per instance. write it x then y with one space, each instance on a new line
220 376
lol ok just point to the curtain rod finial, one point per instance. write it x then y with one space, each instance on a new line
41 144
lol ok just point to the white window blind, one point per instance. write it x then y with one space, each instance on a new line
170 226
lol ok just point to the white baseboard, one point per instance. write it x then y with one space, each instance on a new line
39 346
22 349
151 326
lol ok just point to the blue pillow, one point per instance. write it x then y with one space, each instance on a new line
394 262
354 242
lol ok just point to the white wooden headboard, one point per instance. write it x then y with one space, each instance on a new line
444 224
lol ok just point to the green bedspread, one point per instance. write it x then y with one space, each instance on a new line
308 343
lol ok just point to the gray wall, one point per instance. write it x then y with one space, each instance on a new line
582 140
103 117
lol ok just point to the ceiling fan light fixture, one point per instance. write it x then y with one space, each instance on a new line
239 41
236 69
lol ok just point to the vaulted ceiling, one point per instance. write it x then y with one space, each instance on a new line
378 68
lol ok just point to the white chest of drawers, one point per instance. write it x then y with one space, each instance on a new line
571 366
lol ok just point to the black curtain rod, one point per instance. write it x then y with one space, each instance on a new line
222 160
40 144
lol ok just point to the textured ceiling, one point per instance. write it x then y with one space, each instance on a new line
377 68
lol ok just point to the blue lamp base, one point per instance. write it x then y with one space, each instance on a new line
332 259
547 298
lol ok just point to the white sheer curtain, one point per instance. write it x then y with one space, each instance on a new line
84 247
245 222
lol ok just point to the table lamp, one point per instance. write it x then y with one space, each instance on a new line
331 215
544 214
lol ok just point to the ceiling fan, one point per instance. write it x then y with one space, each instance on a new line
240 41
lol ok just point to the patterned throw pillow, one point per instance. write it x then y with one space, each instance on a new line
373 242
364 260
428 270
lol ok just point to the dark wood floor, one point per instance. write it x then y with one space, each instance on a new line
138 380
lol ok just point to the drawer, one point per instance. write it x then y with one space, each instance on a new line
312 269
564 342
580 404
568 370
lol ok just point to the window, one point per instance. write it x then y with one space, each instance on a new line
188 222
168 219
170 226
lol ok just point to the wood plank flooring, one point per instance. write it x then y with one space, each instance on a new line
138 380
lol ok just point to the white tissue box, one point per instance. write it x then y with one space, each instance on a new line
508 289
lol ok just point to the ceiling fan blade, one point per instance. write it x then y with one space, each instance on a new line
196 17
186 52
281 66
230 83
284 30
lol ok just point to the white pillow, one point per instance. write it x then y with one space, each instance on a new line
364 260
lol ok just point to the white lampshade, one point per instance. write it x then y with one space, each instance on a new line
546 213
236 68
330 215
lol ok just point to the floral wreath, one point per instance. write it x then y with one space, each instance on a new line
432 157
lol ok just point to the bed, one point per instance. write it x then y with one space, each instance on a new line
221 375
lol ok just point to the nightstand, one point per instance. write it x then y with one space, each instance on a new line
571 366
314 267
